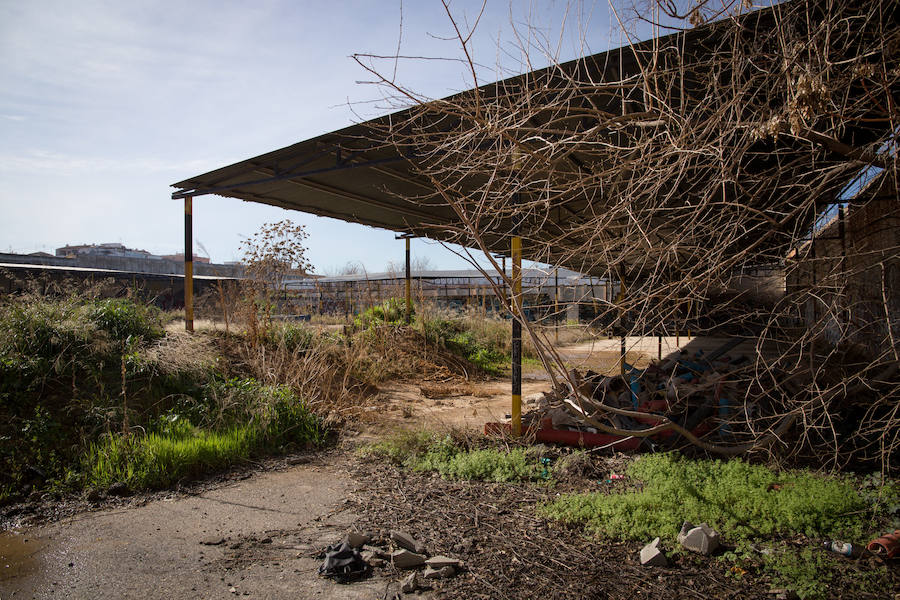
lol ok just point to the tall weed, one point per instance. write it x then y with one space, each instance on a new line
252 421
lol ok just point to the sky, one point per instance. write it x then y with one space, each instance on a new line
105 104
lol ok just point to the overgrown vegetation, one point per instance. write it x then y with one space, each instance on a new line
95 390
749 505
234 421
452 459
484 342
390 312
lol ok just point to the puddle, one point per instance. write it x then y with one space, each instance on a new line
18 554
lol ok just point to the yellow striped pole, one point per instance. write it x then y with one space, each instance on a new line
188 264
517 336
408 285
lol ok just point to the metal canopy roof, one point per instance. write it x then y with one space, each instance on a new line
356 175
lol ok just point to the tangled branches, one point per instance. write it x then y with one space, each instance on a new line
691 171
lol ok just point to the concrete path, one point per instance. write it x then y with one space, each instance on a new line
271 523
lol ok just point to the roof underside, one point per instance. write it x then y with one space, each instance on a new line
357 175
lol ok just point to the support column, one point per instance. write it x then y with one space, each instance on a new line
556 303
188 264
623 331
408 285
517 336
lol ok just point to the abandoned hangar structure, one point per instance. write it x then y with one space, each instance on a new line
670 167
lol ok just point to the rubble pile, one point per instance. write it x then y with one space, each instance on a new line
357 554
702 393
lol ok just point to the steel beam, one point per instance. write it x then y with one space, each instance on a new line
282 177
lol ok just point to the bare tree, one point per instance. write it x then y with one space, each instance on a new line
677 168
276 250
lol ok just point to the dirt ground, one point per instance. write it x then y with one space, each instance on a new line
257 532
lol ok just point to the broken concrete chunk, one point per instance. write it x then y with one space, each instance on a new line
440 561
702 539
409 584
652 556
356 540
430 573
442 573
373 559
404 540
404 559
685 527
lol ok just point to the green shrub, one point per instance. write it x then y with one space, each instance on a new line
123 318
390 312
44 339
484 352
74 368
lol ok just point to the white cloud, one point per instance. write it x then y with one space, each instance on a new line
38 162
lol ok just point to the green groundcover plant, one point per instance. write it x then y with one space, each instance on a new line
754 508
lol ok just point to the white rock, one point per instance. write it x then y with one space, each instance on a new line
702 539
652 556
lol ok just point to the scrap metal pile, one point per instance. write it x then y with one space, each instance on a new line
701 396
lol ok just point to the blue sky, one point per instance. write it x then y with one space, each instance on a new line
104 104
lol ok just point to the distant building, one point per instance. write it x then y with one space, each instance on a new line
106 249
119 258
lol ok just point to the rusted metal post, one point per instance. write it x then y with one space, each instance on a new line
188 264
517 336
408 285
